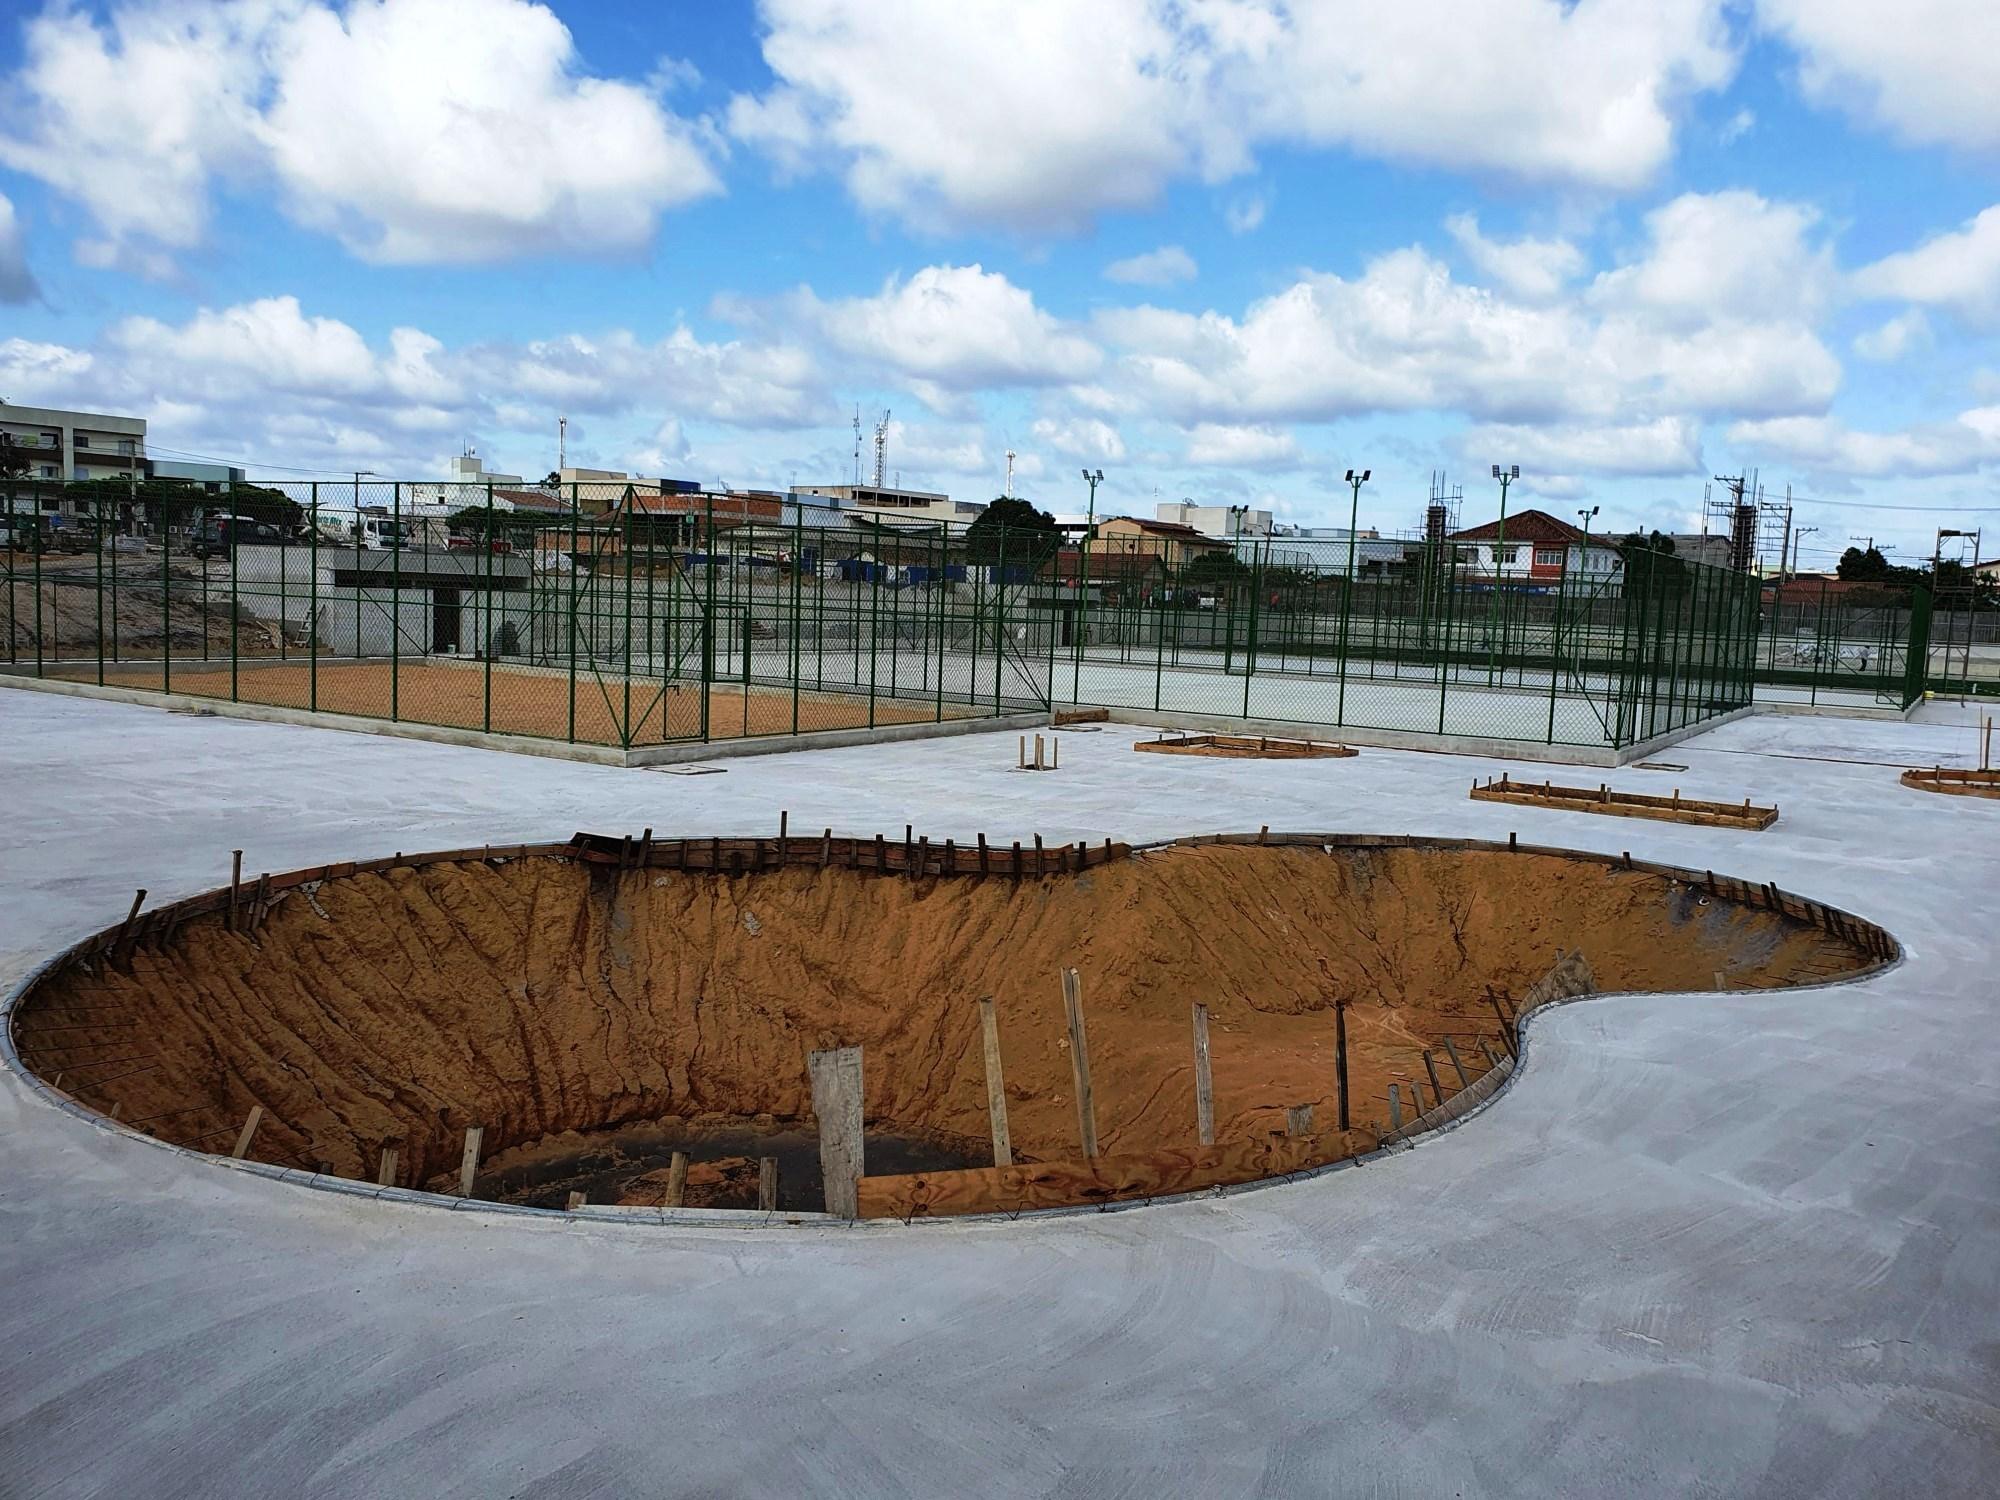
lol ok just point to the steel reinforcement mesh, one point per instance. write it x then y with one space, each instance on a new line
629 617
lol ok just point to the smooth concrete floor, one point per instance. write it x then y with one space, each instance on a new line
1727 1245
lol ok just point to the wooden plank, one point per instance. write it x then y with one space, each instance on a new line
576 1201
1103 1179
385 1173
677 1181
837 1096
1451 1051
1299 1120
767 1184
243 1138
996 1085
469 1165
1602 799
1079 1062
1204 1084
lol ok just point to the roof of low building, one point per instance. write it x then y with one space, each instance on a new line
1523 526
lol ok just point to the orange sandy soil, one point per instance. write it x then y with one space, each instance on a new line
540 995
538 704
1236 748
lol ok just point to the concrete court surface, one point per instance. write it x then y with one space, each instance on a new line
1705 1245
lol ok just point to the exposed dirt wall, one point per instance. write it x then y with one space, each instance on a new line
543 995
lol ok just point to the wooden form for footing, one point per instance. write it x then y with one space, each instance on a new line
1601 799
1954 782
1245 747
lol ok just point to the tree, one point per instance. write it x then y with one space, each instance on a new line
1211 569
1650 565
1856 566
1014 530
15 460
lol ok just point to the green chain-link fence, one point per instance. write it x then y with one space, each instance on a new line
615 616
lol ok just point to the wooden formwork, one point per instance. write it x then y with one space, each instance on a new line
1953 782
1260 747
1601 799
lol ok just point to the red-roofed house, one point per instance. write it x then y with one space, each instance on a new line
1539 551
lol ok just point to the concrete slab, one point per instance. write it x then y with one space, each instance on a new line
1715 1244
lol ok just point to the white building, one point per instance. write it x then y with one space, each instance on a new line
885 504
76 444
1224 522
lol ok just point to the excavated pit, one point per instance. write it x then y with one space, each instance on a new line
593 1018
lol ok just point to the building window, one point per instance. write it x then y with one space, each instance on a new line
82 441
125 445
48 471
81 472
1548 557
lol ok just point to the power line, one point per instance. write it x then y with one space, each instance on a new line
1911 509
246 463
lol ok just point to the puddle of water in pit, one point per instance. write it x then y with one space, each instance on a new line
602 1164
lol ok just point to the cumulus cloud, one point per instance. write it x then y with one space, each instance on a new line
1924 74
1529 268
1161 267
412 130
1081 437
1042 114
1967 442
1217 445
1664 447
1959 271
17 282
1895 338
268 378
1723 255
1407 335
949 328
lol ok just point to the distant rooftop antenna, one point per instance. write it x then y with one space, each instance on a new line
881 449
562 444
1009 490
857 445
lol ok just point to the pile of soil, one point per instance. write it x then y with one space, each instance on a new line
539 996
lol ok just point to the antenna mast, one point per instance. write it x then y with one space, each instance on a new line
881 449
562 444
1009 490
857 445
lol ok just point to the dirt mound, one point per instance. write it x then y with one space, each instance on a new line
542 995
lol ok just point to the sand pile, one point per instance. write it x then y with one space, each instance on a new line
541 995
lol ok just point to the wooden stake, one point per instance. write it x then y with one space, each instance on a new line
385 1172
784 823
244 1135
1486 1047
677 1180
1506 1030
1038 752
235 883
836 1091
767 1184
996 1085
1079 1061
1204 1086
1395 1109
1340 1059
469 1165
1021 754
120 949
1431 1068
576 1201
1055 752
1299 1120
1719 984
1451 1051
826 849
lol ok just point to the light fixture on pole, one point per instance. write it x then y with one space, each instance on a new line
1093 480
1586 515
1354 481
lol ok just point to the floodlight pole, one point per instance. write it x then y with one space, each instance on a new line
1505 477
1355 481
1083 584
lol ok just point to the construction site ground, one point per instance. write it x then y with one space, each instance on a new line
1734 1243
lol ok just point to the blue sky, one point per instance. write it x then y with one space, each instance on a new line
1224 249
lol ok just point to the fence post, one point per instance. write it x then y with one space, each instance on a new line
396 608
312 605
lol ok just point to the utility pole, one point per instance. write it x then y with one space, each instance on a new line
1506 476
1347 589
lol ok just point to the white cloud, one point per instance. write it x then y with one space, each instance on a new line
412 130
1246 214
17 282
1663 448
952 328
1727 254
1216 445
1081 437
1406 336
1922 69
1041 114
1895 338
1161 267
1533 269
267 379
1959 271
1961 445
